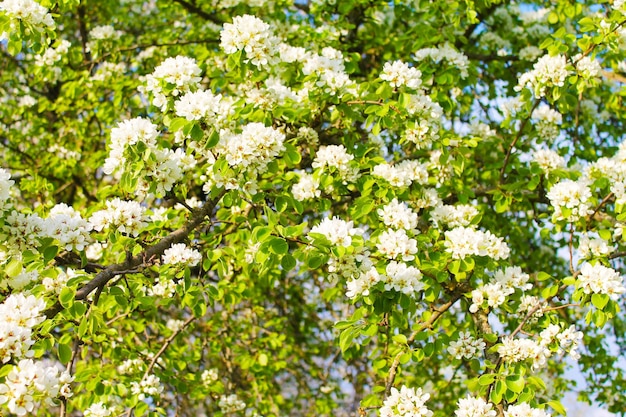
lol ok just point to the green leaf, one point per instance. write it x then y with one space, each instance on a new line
13 268
515 383
278 245
65 353
557 406
600 300
486 379
66 298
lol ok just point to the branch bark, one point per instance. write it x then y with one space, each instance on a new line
154 251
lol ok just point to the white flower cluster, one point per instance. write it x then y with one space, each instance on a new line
230 403
5 187
428 114
548 160
548 71
204 105
464 241
21 280
175 76
586 66
398 215
338 232
28 11
336 157
517 350
108 70
53 55
328 68
599 279
399 74
568 340
179 253
402 174
67 226
593 247
403 278
20 313
396 244
98 410
162 288
253 36
525 410
30 384
474 407
128 133
466 346
209 376
254 148
453 216
570 199
24 231
547 121
362 284
150 386
530 53
126 216
615 170
407 402
502 285
446 53
306 188
55 285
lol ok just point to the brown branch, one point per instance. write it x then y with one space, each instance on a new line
194 9
602 203
167 343
154 251
377 103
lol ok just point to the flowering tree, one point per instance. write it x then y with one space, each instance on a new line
279 207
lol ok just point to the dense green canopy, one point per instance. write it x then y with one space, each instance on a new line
309 208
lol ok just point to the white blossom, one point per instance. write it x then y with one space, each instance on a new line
466 346
474 407
599 279
463 241
548 71
179 253
399 74
406 402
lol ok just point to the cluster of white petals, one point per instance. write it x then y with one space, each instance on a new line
396 244
31 384
514 350
586 66
179 253
306 188
570 200
338 232
466 346
231 403
406 402
254 148
98 410
174 77
599 279
453 216
399 74
547 121
454 58
67 226
20 313
589 246
548 71
525 410
125 216
464 241
150 386
253 36
28 11
548 160
568 340
328 68
398 215
403 278
474 407
335 157
5 187
402 174
128 133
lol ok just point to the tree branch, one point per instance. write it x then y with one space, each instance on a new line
154 251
